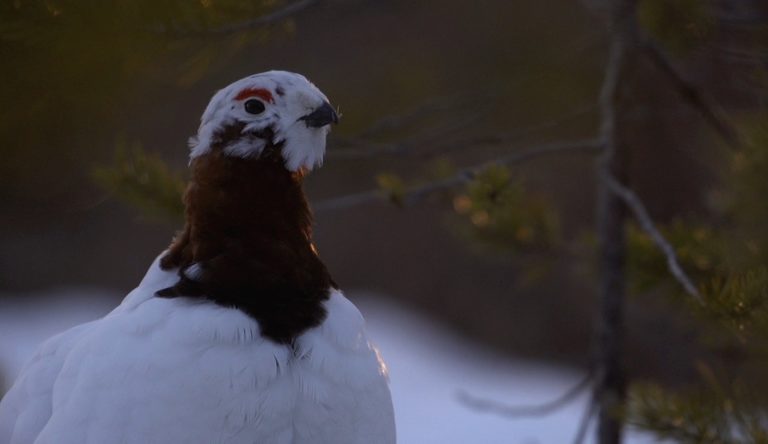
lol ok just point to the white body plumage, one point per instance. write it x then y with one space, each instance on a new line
182 370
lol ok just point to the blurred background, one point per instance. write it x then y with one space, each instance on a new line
494 278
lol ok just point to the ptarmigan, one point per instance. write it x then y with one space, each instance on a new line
237 333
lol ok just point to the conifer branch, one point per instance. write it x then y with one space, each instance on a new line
418 193
637 207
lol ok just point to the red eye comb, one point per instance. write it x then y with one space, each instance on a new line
261 93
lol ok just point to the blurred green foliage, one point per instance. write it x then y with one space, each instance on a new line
76 65
392 187
145 181
501 214
743 200
680 25
737 301
709 251
700 416
699 250
94 44
730 264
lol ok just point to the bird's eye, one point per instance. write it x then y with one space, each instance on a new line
254 106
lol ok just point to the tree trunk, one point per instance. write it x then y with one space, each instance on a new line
610 388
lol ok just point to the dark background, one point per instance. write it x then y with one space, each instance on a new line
530 70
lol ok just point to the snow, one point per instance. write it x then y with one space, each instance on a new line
428 365
28 320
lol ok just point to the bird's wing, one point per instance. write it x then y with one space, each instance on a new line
172 370
344 385
26 408
154 370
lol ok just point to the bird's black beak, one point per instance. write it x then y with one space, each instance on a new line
324 115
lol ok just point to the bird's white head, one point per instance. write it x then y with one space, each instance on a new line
274 108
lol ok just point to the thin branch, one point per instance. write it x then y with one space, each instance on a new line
736 19
418 193
710 111
363 146
365 149
266 19
360 146
426 108
349 200
514 134
588 145
641 214
742 55
486 405
427 136
586 419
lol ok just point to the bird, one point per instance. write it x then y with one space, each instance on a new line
237 333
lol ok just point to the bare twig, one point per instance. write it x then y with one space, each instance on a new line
365 145
742 55
349 200
586 419
266 19
742 19
418 193
366 150
641 214
514 134
359 148
588 145
486 405
711 112
426 108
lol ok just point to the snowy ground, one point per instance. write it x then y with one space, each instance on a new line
429 365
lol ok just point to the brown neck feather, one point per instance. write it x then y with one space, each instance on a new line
247 243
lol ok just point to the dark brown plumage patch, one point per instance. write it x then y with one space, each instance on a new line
248 241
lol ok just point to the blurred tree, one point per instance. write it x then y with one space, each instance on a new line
727 253
726 404
77 62
145 181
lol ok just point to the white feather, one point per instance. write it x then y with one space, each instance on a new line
178 370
